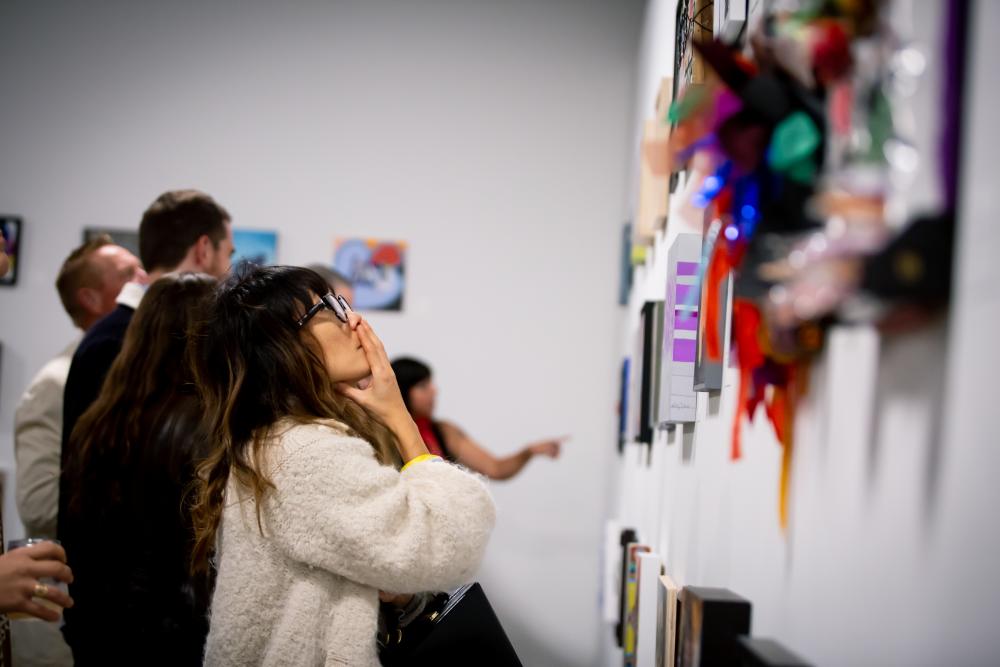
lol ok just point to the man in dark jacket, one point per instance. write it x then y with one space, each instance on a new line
183 230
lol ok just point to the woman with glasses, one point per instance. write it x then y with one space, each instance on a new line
319 493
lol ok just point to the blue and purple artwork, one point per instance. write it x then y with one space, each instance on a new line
10 228
678 400
376 270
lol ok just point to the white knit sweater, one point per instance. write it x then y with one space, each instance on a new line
338 528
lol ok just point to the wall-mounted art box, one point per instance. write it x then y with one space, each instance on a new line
678 400
712 619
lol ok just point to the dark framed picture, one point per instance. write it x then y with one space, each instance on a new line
711 621
126 238
10 227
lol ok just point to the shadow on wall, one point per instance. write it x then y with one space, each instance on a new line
901 380
531 649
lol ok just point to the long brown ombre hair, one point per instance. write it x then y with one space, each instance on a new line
253 368
147 381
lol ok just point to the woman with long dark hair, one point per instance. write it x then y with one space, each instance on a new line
319 492
127 528
445 439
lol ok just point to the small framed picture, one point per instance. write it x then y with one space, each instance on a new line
126 238
10 226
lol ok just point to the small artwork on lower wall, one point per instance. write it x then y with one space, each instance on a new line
10 227
377 270
126 238
256 246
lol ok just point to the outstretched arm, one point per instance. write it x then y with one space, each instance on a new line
473 456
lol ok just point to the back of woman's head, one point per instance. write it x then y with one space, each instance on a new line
409 373
253 367
143 383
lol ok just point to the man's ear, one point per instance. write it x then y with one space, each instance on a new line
203 249
89 299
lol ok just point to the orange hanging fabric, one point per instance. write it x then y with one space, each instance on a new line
716 273
746 325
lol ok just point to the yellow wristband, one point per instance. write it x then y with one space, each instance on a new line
422 457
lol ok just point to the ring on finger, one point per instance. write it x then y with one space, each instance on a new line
41 591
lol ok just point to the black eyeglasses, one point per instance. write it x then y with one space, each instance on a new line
334 302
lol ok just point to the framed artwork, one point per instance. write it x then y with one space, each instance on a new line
678 399
625 269
126 238
633 421
10 227
729 18
650 570
255 246
631 611
625 539
656 366
647 374
377 270
711 621
623 405
653 203
667 622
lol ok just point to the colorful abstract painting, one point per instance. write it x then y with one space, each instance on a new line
11 229
377 270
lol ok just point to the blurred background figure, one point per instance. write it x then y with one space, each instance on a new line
339 283
449 441
88 283
127 526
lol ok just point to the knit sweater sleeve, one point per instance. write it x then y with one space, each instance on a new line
336 508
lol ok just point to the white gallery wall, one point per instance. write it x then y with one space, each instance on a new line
892 545
491 136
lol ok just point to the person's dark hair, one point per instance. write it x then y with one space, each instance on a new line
409 373
174 222
77 271
253 367
146 381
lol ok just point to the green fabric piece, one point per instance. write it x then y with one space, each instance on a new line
879 125
689 102
803 171
794 139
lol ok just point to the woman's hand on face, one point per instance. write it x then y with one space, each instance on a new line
379 394
20 571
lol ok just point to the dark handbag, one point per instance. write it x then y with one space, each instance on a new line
460 628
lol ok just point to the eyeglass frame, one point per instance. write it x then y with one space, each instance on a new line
331 301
